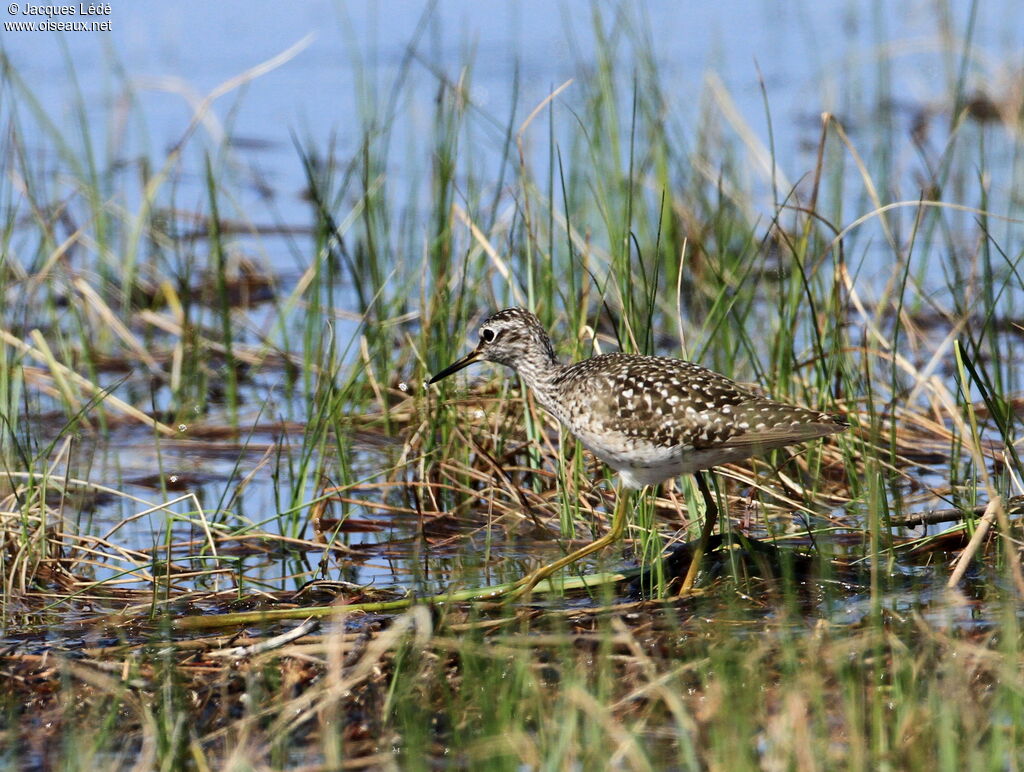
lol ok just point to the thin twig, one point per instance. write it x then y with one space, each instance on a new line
932 516
994 506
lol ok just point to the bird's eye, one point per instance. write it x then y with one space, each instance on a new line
487 335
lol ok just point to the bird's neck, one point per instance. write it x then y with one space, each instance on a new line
538 371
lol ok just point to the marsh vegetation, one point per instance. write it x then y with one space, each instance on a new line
237 528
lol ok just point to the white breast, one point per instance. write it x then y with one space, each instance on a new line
640 465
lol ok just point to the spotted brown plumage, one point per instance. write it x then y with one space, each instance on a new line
649 418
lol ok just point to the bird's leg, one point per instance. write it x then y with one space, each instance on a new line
618 526
710 518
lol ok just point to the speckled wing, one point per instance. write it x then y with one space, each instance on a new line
672 403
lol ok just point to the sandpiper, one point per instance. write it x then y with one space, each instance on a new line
648 418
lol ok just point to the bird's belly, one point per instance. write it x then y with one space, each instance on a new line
640 465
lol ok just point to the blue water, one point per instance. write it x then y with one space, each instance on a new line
138 85
162 58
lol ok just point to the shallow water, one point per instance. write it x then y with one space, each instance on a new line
824 57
